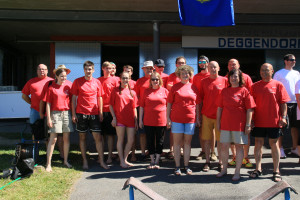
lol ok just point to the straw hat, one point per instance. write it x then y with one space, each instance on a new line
62 67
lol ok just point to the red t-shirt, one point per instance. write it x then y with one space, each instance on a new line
164 78
248 81
108 84
235 103
141 85
183 98
268 96
132 84
59 96
154 102
34 87
124 105
198 78
87 92
210 89
173 79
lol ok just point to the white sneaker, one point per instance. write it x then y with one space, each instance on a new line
295 151
282 154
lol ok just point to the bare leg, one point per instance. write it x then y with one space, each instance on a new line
232 147
275 153
259 142
143 143
171 142
130 139
177 141
246 148
207 144
121 132
50 148
239 159
60 145
82 144
99 146
110 145
224 154
133 157
213 141
294 132
66 142
187 149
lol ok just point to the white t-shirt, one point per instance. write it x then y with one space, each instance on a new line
288 78
297 91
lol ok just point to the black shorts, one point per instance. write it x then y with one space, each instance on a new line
292 115
86 122
271 133
106 127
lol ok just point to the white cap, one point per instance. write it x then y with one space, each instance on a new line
148 63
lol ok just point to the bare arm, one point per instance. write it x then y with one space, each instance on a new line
169 106
219 115
74 104
248 121
112 112
283 110
100 103
26 98
141 115
48 110
136 119
198 115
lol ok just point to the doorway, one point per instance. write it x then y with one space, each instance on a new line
122 55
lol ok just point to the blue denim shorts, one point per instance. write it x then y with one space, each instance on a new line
34 115
186 128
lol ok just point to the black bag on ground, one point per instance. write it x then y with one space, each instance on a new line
39 130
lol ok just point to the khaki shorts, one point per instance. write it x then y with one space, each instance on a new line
236 137
208 127
62 122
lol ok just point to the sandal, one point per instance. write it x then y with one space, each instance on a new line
188 171
206 167
255 174
220 167
276 177
177 171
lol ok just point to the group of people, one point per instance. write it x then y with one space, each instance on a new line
226 110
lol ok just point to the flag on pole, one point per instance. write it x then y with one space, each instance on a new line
206 12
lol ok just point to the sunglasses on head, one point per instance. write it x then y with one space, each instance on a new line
202 62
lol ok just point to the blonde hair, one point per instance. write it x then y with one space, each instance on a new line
187 68
128 67
120 87
105 64
155 74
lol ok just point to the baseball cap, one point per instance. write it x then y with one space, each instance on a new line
159 62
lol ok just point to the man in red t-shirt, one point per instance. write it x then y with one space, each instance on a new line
87 111
108 83
210 91
203 73
270 114
234 64
34 87
129 69
141 85
159 66
173 79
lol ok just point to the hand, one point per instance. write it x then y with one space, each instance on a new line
169 123
218 126
247 130
49 123
141 124
136 125
282 123
74 119
114 122
42 116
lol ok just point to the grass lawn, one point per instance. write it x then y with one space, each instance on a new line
41 185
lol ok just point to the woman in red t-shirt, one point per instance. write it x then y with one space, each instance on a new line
123 103
234 114
182 115
58 112
152 116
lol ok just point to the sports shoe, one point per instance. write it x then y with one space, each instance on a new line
201 156
247 163
282 154
213 156
232 162
295 151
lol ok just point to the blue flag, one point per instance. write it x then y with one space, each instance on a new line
206 12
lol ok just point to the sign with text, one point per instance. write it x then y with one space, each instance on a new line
240 42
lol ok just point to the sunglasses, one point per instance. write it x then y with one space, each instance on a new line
292 60
202 62
154 79
160 66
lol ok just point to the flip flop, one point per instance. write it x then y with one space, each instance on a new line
206 167
255 174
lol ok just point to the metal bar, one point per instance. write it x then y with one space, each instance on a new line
287 194
156 40
131 192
